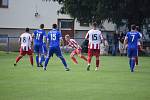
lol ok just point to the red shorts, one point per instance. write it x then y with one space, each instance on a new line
76 52
139 47
29 52
94 52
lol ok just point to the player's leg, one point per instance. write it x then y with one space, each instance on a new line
36 50
90 54
80 55
50 53
97 55
31 56
59 54
21 54
73 53
44 52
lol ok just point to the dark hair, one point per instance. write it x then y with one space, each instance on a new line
137 28
42 26
133 27
95 24
54 26
27 29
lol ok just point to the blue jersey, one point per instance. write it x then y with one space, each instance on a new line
38 36
132 38
54 37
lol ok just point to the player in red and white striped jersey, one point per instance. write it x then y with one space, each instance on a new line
25 42
77 49
95 38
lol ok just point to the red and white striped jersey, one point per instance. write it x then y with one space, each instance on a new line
25 40
94 37
72 43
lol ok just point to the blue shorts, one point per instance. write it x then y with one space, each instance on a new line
55 50
132 52
44 49
38 49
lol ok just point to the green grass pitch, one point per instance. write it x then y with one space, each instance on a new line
113 82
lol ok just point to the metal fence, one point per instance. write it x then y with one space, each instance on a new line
9 44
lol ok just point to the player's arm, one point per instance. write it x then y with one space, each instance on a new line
125 42
87 36
19 40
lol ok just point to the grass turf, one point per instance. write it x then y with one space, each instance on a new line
113 82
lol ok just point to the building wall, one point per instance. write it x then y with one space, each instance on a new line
21 14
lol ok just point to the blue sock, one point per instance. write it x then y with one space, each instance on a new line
37 60
46 62
132 65
42 59
63 61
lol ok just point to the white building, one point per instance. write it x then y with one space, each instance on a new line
15 15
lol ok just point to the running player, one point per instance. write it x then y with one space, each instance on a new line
38 42
95 38
77 49
54 37
132 39
139 46
25 42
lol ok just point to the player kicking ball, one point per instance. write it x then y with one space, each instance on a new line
25 41
77 49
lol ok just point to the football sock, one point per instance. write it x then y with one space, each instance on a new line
37 60
74 60
83 57
89 60
97 63
46 62
136 60
130 61
42 59
31 60
132 65
18 58
63 61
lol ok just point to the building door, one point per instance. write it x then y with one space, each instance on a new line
66 26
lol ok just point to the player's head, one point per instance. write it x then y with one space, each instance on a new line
133 27
94 25
67 37
27 30
54 26
42 26
137 28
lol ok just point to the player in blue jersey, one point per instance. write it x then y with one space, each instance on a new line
54 37
131 40
38 42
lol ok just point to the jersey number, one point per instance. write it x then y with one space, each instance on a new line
38 36
53 36
132 37
24 39
94 37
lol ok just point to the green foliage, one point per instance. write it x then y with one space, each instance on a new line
116 11
113 82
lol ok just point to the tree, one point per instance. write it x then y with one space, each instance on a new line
115 11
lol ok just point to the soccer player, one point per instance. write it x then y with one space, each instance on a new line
77 49
25 42
139 46
38 43
95 37
54 37
132 39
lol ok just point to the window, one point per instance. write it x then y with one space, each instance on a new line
66 24
3 3
85 24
